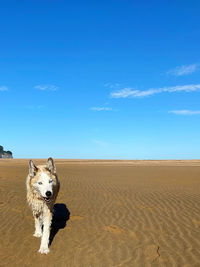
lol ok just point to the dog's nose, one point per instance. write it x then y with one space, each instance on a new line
48 193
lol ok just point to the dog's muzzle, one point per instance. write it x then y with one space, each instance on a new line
48 196
47 199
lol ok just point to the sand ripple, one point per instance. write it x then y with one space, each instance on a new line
121 215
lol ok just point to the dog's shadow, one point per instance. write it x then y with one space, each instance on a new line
61 215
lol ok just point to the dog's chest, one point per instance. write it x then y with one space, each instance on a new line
37 206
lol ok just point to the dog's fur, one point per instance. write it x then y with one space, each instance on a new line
40 180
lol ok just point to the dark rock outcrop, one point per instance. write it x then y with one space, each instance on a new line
5 154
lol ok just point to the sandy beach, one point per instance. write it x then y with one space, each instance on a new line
109 213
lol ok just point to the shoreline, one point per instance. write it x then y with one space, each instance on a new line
169 162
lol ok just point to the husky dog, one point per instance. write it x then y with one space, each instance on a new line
42 189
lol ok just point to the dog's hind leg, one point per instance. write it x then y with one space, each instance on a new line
38 225
44 246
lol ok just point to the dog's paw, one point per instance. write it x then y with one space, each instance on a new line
44 250
37 234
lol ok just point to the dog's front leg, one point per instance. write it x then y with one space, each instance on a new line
38 225
44 246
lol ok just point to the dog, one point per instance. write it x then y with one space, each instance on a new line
42 189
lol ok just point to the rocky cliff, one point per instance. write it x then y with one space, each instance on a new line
5 154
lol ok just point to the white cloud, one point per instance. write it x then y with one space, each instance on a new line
112 85
183 70
101 109
129 92
3 88
46 87
185 112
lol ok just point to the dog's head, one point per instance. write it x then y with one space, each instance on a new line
43 179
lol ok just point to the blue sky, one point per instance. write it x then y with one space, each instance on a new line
113 79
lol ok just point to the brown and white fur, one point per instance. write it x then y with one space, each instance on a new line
42 189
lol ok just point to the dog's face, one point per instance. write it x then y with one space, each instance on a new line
43 179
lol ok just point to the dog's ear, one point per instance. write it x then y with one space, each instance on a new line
32 169
51 165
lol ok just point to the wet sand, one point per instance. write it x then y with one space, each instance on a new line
122 213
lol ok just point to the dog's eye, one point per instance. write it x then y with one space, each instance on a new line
50 181
39 183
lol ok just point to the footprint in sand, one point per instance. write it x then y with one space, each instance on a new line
120 204
76 218
133 235
16 210
196 222
145 207
152 252
113 229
